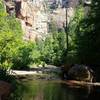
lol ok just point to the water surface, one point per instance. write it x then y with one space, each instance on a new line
57 90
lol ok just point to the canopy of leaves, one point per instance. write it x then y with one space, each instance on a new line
88 36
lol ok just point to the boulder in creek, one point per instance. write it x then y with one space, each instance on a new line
81 73
5 90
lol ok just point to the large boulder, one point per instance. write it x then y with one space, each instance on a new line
64 69
5 90
81 73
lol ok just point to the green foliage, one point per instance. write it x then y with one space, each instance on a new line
82 32
22 58
88 37
71 53
53 48
8 39
14 52
52 26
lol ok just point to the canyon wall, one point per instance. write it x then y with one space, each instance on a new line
32 15
35 16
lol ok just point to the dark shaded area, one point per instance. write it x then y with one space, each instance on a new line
96 69
95 95
17 8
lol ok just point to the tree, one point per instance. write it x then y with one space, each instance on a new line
72 28
88 36
53 48
14 52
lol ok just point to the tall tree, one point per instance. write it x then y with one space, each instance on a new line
88 36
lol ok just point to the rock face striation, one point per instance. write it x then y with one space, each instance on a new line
62 13
36 15
33 17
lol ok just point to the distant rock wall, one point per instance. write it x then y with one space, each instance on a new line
33 17
64 13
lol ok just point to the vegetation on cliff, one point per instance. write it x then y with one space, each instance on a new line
13 50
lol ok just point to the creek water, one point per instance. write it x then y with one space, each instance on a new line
56 90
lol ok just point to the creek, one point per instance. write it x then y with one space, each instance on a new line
55 90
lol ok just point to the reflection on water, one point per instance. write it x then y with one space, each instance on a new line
48 90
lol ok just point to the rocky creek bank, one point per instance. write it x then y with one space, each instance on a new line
50 72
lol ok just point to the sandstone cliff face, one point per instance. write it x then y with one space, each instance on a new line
34 19
64 13
34 16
